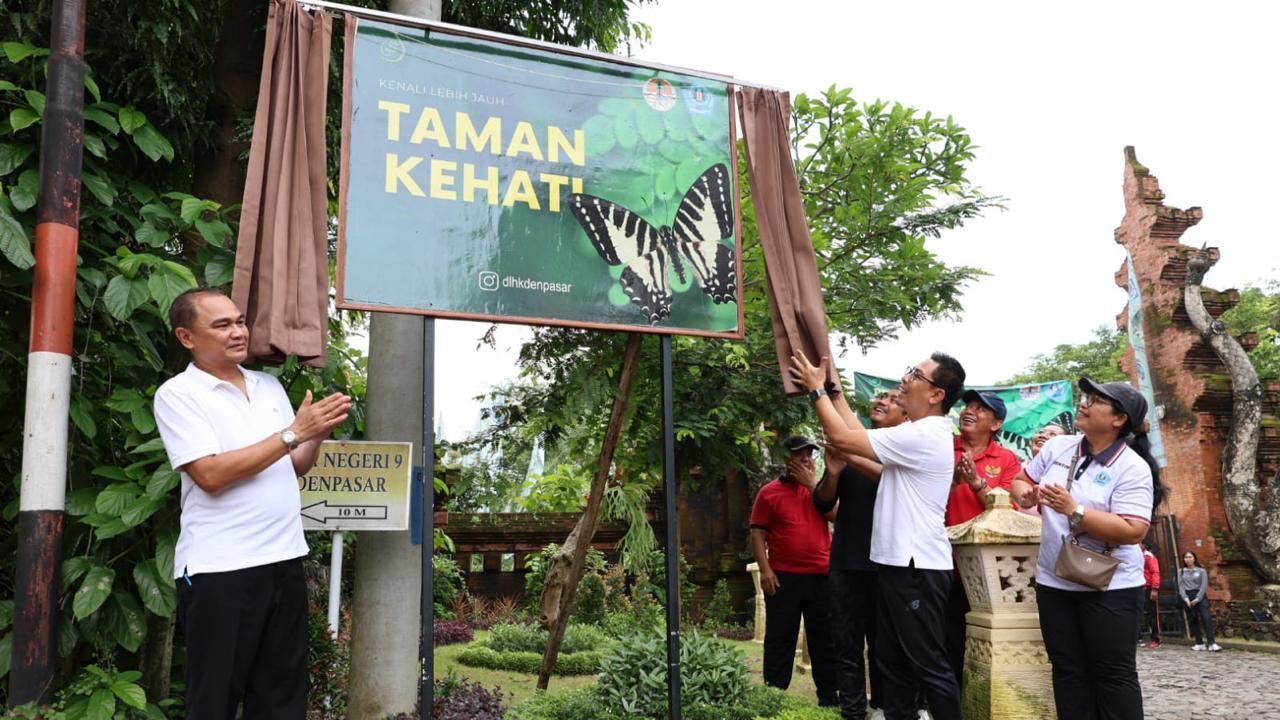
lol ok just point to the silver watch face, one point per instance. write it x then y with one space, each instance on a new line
289 437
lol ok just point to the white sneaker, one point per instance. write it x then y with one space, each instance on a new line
1215 648
924 715
876 714
1197 647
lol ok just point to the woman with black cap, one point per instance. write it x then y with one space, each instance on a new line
1097 488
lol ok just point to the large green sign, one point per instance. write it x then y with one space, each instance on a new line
1029 407
496 181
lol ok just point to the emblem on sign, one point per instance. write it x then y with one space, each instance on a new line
659 94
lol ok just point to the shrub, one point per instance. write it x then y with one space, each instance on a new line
633 675
579 663
809 713
452 632
581 703
531 638
448 583
588 604
536 576
719 611
462 700
736 632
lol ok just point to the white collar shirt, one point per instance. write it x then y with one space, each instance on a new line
256 522
1116 480
910 524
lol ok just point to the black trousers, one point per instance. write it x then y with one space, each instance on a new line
910 645
957 608
1198 616
799 595
853 628
1152 616
246 633
1089 638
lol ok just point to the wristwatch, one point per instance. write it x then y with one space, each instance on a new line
289 438
1076 517
981 487
815 394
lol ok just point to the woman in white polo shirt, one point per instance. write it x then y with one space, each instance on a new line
1107 503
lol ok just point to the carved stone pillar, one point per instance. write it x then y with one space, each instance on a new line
1007 675
754 569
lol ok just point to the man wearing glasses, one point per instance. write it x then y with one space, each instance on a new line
791 543
908 537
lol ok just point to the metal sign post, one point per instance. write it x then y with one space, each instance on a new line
426 692
673 547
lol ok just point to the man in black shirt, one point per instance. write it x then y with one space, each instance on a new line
852 483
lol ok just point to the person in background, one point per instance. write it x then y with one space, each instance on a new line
981 464
792 543
849 486
1048 432
1151 574
1099 487
1193 589
909 541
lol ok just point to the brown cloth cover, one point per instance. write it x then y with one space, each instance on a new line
795 291
282 257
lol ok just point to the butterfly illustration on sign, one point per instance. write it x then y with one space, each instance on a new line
694 241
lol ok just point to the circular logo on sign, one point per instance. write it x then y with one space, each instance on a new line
392 50
659 94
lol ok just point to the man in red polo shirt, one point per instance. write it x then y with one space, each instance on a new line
981 464
792 544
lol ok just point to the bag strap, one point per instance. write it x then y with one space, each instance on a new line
1071 476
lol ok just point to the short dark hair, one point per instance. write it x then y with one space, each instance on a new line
182 313
949 375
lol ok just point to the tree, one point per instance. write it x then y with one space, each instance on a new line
1098 358
878 180
1258 313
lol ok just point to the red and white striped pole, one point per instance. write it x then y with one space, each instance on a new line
44 435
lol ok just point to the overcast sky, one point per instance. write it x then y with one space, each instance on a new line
1050 95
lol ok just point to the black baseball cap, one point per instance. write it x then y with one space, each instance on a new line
1123 395
990 399
796 443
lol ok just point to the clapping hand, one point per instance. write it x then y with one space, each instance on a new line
319 418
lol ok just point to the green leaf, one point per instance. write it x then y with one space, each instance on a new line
6 615
93 276
130 627
124 295
73 569
6 85
162 481
14 242
82 416
149 234
6 653
143 421
116 498
165 287
95 146
110 527
126 400
94 591
141 510
19 51
131 119
111 472
102 118
153 445
35 99
152 143
214 232
22 118
192 208
166 542
102 705
219 271
92 86
130 694
80 501
23 195
182 271
100 187
157 595
12 155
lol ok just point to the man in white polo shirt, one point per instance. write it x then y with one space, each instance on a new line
242 597
908 535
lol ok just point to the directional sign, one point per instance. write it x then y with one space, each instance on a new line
358 485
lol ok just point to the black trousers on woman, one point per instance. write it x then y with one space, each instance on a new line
1089 638
1198 616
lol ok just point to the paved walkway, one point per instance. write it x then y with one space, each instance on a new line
1178 684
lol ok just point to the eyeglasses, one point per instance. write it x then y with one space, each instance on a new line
914 373
1090 399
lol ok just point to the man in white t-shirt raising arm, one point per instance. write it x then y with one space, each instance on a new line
908 535
242 597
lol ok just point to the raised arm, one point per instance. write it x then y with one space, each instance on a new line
848 439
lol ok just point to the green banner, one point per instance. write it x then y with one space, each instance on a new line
495 181
1030 407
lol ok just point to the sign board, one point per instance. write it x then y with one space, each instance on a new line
1029 407
358 485
483 179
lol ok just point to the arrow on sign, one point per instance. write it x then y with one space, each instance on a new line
322 512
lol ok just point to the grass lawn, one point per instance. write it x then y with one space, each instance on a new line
521 686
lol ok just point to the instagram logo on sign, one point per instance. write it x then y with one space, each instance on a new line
488 280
